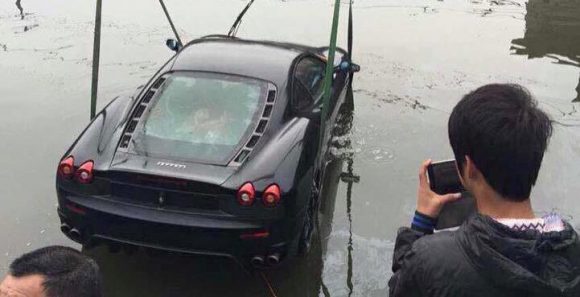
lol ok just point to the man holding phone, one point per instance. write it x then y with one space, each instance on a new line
498 136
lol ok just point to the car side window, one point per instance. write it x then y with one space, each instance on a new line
308 82
310 72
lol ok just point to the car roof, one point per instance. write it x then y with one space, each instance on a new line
264 60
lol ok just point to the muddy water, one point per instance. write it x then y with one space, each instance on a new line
418 58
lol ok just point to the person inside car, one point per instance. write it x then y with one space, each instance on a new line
498 136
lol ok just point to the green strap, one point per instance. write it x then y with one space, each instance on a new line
329 71
330 64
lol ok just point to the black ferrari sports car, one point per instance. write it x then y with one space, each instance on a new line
220 153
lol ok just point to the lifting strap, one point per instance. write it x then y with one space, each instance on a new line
234 29
327 91
328 75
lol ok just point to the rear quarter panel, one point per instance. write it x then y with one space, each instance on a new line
287 159
98 141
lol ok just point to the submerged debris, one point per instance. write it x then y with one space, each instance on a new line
28 28
418 105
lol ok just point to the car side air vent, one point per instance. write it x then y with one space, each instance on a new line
271 96
138 112
125 141
267 111
260 128
242 156
159 83
253 141
148 96
131 127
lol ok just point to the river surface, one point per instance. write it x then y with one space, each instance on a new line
418 59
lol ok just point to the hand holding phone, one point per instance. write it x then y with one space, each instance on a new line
444 179
429 202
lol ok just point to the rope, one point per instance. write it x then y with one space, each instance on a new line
272 292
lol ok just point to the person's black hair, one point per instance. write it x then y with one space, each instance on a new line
502 130
66 271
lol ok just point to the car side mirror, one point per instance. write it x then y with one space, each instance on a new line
347 66
173 45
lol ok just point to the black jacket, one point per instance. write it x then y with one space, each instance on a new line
486 258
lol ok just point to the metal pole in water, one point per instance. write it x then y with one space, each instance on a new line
96 56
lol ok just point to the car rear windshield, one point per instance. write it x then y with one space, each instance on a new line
200 117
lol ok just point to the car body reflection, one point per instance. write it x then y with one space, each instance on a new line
552 30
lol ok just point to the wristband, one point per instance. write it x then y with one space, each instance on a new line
423 223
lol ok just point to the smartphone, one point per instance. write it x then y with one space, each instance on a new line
444 179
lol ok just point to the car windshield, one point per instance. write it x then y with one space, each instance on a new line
200 117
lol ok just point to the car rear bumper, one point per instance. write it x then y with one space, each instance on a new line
99 219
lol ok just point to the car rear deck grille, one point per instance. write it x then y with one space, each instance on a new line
260 128
125 141
132 126
242 156
138 112
176 200
267 111
253 141
148 96
271 96
159 83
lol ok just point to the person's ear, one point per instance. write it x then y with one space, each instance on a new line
460 172
470 169
463 173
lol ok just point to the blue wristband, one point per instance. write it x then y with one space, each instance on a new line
423 223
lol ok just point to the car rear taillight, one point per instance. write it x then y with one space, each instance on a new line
66 168
271 196
246 194
84 174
